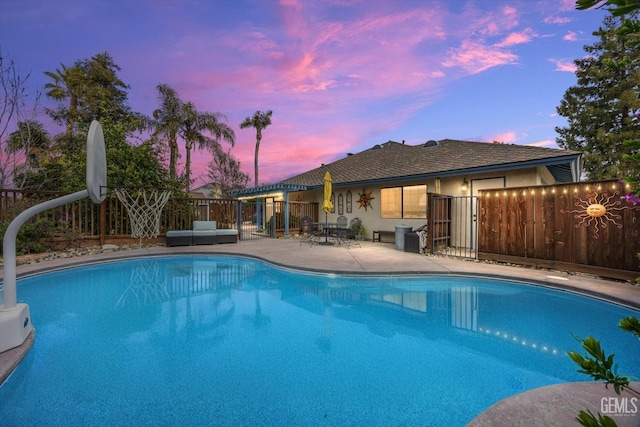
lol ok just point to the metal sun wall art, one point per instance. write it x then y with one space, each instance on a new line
598 210
365 200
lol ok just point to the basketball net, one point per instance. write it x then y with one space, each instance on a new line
144 210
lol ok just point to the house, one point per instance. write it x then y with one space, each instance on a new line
207 191
390 183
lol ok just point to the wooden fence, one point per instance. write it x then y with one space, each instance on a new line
584 226
84 223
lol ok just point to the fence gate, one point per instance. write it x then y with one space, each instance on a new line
248 228
454 226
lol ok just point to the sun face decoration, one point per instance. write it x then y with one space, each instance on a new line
598 210
365 200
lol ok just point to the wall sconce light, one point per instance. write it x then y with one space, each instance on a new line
465 186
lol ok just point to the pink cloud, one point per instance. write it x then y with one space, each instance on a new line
258 44
545 143
556 20
564 65
570 36
475 57
490 24
567 5
506 137
517 38
318 74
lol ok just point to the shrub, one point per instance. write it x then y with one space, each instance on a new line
33 237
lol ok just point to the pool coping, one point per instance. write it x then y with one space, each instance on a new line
384 259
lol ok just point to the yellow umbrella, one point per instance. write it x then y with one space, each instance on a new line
327 205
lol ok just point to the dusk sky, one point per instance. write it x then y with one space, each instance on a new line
339 75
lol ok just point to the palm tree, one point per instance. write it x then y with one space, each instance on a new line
192 126
167 120
31 137
65 86
260 120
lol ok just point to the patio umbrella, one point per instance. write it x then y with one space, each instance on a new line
326 204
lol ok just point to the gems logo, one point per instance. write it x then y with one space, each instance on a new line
619 406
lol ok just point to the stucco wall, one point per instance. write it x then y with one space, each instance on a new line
448 186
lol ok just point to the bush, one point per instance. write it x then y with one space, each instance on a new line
33 237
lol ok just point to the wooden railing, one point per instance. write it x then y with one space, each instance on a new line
109 221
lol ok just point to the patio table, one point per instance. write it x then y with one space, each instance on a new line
326 228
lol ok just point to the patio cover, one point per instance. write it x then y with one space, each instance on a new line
268 190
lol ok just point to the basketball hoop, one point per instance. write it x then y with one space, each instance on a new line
15 318
144 210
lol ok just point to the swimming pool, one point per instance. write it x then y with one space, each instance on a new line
218 340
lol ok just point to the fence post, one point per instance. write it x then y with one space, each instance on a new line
239 211
103 222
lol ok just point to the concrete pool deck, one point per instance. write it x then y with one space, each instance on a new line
383 258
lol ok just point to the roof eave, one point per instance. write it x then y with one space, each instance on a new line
573 161
267 189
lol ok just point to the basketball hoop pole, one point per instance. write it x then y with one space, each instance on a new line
9 242
20 329
15 319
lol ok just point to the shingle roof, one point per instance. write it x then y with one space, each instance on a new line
393 161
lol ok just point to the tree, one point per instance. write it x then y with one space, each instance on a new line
65 85
13 109
631 28
595 362
192 130
166 122
260 120
33 141
95 91
600 107
616 7
224 172
103 93
32 138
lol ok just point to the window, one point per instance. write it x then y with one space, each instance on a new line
414 201
404 202
391 202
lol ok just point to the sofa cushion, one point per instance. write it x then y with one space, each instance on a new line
205 232
227 232
204 226
179 233
179 237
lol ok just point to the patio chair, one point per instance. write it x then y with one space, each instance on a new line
340 233
306 230
353 231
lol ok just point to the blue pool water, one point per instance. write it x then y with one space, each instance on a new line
230 341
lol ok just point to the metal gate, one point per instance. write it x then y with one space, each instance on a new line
248 226
454 226
266 217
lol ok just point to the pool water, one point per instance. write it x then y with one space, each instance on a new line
229 341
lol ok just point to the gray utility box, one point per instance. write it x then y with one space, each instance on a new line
401 230
412 242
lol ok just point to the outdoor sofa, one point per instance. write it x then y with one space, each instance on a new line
202 233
